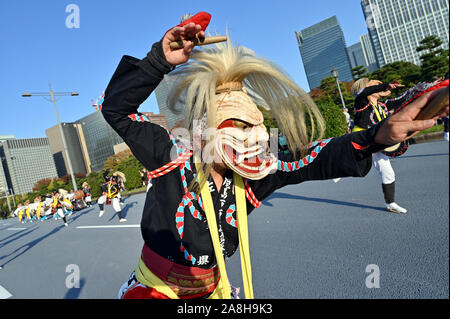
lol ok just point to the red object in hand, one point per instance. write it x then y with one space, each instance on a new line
202 18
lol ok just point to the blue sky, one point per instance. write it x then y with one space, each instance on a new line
38 49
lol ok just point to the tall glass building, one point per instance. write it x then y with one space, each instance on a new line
74 148
369 54
99 139
397 26
356 55
322 47
25 162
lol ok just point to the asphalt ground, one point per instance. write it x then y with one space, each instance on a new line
322 239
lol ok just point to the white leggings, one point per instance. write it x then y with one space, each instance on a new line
383 166
114 201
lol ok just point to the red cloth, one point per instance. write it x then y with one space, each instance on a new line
140 292
161 266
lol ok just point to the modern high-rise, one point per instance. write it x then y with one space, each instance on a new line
356 55
99 139
369 54
3 182
76 147
25 162
322 47
162 93
396 27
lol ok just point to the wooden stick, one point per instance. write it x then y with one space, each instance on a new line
434 106
203 41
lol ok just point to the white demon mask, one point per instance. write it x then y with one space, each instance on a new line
242 141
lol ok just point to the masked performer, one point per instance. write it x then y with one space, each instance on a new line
195 214
110 191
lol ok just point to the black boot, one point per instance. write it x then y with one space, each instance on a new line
389 192
389 198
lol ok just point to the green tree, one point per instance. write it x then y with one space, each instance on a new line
359 72
406 73
333 116
95 179
330 90
434 58
130 167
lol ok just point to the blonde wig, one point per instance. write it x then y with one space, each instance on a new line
297 116
359 85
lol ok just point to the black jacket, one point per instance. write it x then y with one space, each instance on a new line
365 114
172 231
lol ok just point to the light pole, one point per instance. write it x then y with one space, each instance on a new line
335 74
52 95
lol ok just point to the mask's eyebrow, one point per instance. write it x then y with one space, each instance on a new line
241 123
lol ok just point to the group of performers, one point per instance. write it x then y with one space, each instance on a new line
56 205
195 215
61 204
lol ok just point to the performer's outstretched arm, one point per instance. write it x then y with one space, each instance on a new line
133 82
349 155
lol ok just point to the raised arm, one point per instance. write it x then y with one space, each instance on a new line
383 89
133 82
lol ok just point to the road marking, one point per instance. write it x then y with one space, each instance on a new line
109 226
16 228
4 294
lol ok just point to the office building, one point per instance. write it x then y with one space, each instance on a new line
369 54
25 162
76 147
99 139
322 47
6 137
396 27
3 183
356 55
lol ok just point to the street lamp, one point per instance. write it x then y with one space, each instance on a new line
52 95
335 74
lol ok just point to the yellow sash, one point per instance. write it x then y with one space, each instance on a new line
241 215
28 212
377 113
20 215
38 210
113 193
357 128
